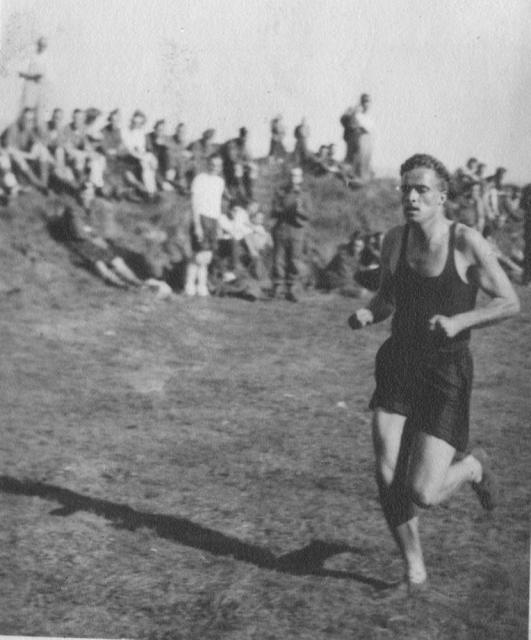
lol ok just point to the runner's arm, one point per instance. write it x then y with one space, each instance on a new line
382 304
490 277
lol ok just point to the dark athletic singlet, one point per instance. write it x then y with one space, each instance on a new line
418 298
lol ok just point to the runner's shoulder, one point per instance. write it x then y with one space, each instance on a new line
470 241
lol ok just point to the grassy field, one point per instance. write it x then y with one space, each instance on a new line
202 469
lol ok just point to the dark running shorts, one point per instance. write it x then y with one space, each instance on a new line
210 235
432 389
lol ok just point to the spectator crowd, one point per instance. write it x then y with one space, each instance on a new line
231 246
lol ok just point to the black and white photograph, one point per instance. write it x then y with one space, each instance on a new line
265 327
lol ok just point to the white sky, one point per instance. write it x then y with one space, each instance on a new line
447 77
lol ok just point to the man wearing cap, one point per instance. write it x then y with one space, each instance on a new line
432 269
291 211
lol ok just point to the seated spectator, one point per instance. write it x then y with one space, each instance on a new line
510 203
81 141
113 148
513 270
480 176
9 186
464 176
179 165
23 143
493 191
143 163
77 227
55 137
339 274
369 266
239 170
469 207
157 143
112 143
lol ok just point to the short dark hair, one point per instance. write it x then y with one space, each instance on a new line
470 161
425 161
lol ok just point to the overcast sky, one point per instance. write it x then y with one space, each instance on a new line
448 77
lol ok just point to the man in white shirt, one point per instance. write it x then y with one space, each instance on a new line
37 81
144 162
358 134
207 194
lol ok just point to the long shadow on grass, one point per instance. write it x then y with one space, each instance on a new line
306 561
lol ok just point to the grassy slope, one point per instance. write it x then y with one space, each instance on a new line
244 428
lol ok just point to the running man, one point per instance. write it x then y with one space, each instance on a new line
432 269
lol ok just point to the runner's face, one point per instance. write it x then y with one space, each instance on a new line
422 198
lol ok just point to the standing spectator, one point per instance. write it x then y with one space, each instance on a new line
202 150
158 144
207 194
36 76
359 127
525 205
291 211
277 150
301 153
493 191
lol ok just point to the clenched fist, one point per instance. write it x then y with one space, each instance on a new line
447 326
361 318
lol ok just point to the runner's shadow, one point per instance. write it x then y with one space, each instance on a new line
306 561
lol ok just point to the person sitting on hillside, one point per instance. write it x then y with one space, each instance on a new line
339 274
157 143
88 235
55 137
493 192
23 142
81 139
9 186
239 170
510 203
113 148
513 270
179 166
464 176
143 164
469 207
369 266
112 143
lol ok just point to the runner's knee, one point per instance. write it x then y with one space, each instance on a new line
423 496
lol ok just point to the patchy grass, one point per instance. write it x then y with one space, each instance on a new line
166 466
